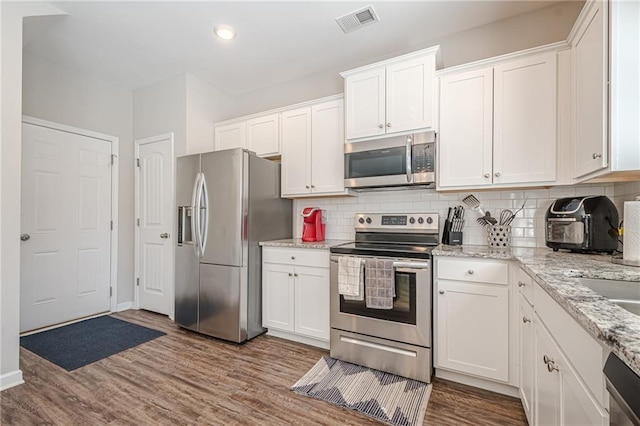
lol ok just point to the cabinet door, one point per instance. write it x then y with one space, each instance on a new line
365 103
410 97
263 135
589 59
524 135
526 348
473 329
547 394
327 147
578 406
277 296
296 152
230 136
312 302
465 148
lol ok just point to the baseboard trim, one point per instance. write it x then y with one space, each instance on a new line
11 379
124 306
297 338
478 383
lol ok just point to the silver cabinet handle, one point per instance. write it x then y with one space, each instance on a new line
546 359
25 237
525 320
521 284
595 155
441 291
290 274
487 175
313 186
164 235
470 271
295 274
381 126
293 258
551 367
388 124
497 174
307 186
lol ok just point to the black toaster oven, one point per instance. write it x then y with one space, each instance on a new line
582 224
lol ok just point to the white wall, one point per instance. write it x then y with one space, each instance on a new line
536 28
56 93
11 15
527 228
161 108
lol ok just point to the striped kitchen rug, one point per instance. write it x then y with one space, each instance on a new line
383 396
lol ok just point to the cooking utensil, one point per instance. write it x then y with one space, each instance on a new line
471 201
505 216
490 219
513 216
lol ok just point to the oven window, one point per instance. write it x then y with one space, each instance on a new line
382 162
404 304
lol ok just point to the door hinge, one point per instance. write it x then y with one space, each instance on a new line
112 225
138 222
138 281
137 162
110 291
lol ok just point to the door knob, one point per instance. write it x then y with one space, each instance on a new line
520 284
164 235
487 175
525 320
470 271
25 237
441 291
596 155
381 126
388 124
497 174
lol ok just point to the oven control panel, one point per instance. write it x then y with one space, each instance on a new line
400 222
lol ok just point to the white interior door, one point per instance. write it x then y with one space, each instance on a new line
156 230
66 225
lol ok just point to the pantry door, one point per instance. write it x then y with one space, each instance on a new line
66 222
155 224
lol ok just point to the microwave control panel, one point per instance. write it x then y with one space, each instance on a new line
423 158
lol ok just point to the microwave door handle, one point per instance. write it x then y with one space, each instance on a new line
408 158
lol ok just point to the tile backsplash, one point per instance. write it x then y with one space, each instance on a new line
625 191
527 228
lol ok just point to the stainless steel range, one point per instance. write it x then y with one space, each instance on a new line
396 340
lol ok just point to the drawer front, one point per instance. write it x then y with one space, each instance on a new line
302 257
525 285
586 354
476 270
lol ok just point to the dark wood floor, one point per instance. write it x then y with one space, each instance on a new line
187 379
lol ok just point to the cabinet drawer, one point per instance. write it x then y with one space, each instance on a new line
303 257
525 285
586 354
476 270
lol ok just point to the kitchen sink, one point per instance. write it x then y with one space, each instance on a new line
625 294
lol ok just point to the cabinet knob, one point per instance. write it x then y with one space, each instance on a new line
381 126
596 155
388 124
293 258
551 367
487 175
25 237
295 274
313 186
441 291
470 271
307 186
290 274
164 235
497 174
521 284
525 320
546 359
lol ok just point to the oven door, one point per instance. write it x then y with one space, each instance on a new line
409 321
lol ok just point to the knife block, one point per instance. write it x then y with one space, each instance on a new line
450 237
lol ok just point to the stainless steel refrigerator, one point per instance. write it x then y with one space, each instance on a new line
227 202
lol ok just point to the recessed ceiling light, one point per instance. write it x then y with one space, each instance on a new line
225 32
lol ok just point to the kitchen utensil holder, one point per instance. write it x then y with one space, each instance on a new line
499 236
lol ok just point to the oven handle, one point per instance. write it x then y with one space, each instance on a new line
401 266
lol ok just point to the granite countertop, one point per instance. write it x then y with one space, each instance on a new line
557 273
298 243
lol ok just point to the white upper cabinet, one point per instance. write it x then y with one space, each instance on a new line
590 61
392 96
313 150
498 125
524 120
465 150
230 136
263 135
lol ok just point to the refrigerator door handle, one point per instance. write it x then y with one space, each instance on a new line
195 216
204 210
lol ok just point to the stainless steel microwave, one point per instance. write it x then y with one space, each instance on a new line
397 161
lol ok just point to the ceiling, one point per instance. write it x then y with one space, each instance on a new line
134 44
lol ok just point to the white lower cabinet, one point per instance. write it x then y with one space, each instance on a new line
526 364
471 302
295 294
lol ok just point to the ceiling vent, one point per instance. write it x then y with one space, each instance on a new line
357 19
